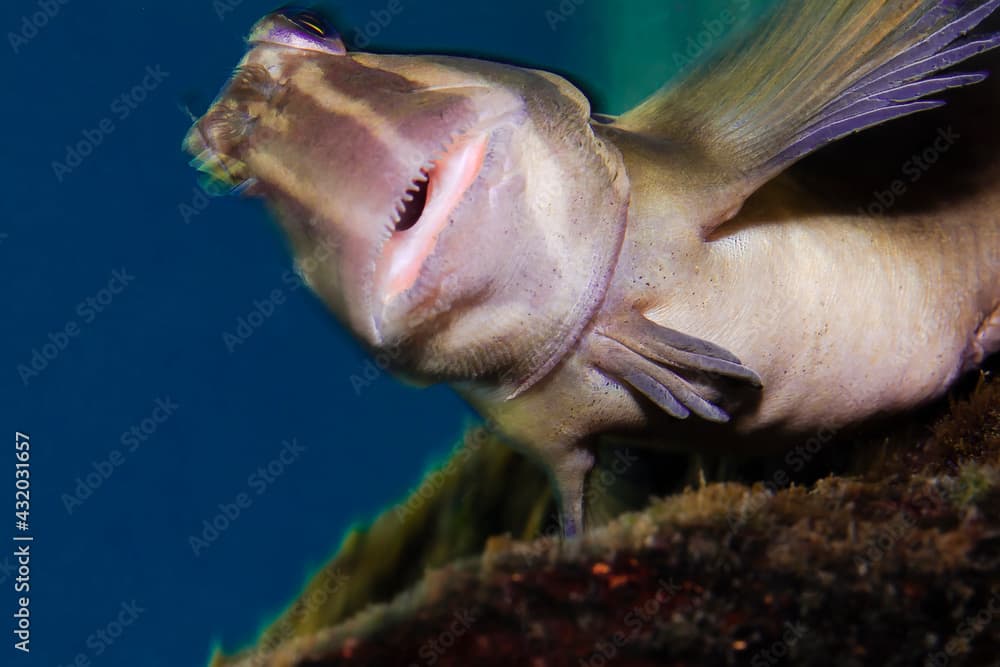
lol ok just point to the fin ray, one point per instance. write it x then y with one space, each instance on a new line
783 92
659 363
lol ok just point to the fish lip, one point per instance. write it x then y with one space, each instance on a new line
394 242
383 299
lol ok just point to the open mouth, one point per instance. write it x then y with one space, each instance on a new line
425 211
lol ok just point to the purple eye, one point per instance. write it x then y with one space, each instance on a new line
299 29
310 21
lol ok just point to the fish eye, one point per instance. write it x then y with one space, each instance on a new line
310 21
299 28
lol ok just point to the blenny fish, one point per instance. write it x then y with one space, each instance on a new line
671 275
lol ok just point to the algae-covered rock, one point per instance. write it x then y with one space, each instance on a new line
894 561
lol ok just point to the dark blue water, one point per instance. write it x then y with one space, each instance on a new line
147 404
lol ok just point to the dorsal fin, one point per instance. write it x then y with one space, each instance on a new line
814 72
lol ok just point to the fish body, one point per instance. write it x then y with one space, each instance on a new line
861 318
668 275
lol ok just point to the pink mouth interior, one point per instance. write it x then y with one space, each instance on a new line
452 176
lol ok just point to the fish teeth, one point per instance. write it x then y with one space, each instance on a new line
418 183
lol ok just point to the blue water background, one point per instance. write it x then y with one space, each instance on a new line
65 234
128 216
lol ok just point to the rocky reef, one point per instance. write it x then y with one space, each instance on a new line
880 547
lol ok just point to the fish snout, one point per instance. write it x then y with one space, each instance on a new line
218 140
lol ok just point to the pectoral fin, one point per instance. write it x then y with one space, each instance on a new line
653 360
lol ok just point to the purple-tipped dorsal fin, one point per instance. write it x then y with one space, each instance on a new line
816 71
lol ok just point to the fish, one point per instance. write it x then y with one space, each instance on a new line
742 258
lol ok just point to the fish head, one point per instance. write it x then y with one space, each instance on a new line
457 213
